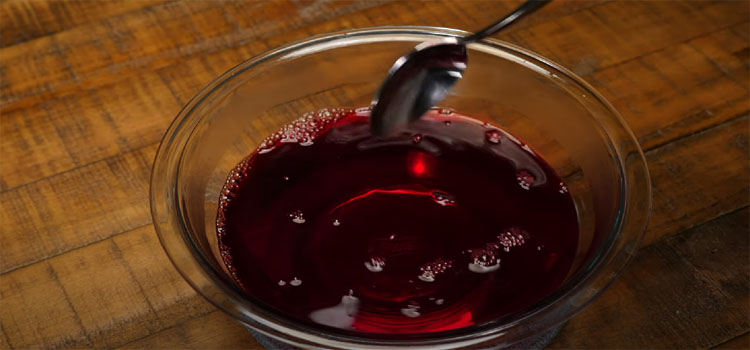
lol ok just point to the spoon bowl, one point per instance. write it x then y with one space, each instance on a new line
422 78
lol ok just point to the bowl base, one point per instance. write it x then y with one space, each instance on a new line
534 343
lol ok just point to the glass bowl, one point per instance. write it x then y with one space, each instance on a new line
560 115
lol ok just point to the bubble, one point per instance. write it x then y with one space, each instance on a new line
411 310
391 237
447 123
375 264
427 276
563 188
286 178
339 316
336 223
295 282
303 130
439 301
416 138
525 179
478 268
282 283
430 270
484 260
493 136
443 198
512 238
297 217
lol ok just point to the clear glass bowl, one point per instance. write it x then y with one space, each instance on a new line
560 115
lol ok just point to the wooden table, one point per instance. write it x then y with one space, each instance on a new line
87 89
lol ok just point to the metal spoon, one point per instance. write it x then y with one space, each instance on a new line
421 79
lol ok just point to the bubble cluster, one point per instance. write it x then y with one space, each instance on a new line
305 129
295 282
514 237
485 259
525 179
297 217
416 138
493 136
411 310
443 198
432 269
336 223
232 184
375 264
563 188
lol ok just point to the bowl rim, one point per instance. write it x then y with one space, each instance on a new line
299 334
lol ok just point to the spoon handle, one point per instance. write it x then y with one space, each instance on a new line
526 8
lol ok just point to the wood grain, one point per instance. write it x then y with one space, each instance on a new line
215 330
24 20
642 309
739 342
85 98
105 294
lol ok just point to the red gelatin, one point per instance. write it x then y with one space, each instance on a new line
443 226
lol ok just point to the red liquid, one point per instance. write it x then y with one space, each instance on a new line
450 224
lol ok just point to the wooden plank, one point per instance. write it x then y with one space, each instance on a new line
677 90
101 302
216 330
619 31
686 291
23 20
728 51
75 208
149 38
699 177
167 292
37 313
62 134
101 295
739 342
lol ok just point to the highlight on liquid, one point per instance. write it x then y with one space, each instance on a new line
451 223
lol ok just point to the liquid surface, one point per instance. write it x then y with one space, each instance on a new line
450 224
